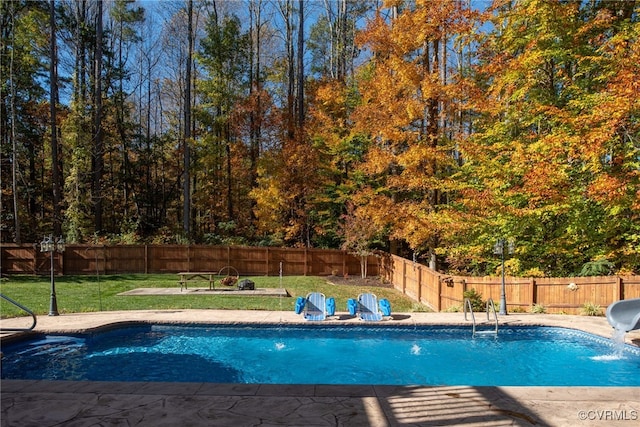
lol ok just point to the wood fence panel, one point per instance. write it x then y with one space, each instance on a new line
293 261
208 258
43 262
219 257
18 259
518 294
84 259
248 261
411 284
119 259
417 281
451 291
487 287
430 288
256 261
397 276
168 258
557 296
630 287
518 291
325 263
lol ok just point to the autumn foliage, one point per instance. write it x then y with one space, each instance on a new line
431 129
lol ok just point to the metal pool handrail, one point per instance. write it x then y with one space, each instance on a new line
17 304
492 307
468 307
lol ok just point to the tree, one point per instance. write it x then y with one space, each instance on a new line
186 179
332 38
82 130
541 156
56 170
23 118
97 153
123 33
410 105
290 175
224 55
359 233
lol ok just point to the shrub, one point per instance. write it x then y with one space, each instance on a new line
420 308
598 267
591 309
477 304
538 309
454 309
534 272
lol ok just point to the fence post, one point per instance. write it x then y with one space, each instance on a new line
404 277
419 279
439 300
533 293
35 261
619 288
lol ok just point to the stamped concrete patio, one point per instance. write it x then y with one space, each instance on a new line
57 403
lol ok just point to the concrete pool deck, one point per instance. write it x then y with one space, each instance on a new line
85 403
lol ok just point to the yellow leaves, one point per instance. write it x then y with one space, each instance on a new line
331 96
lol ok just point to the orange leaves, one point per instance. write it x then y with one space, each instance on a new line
606 188
358 230
331 96
378 161
545 183
376 36
410 104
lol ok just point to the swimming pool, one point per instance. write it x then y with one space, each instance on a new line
314 354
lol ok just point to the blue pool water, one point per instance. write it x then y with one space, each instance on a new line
525 356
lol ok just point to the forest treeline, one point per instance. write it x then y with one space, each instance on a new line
428 128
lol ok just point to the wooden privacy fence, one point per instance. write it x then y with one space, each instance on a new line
441 292
89 259
438 291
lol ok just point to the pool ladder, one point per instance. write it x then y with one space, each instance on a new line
22 307
490 308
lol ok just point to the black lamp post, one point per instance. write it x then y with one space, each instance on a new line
499 249
51 245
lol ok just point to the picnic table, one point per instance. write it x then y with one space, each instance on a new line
187 276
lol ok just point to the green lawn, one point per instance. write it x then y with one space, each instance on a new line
77 294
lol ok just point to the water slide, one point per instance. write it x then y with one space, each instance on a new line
624 315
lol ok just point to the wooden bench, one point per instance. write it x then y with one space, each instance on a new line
188 276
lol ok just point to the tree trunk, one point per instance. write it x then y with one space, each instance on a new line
98 147
255 87
56 173
186 191
14 144
300 121
290 73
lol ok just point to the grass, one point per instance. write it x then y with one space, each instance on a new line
83 294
